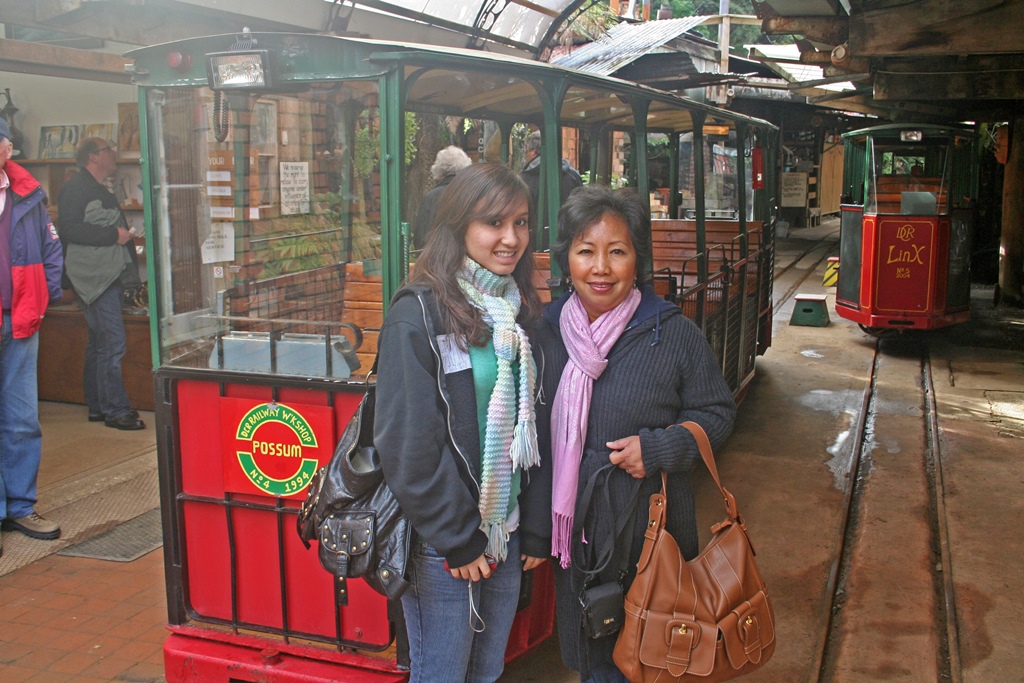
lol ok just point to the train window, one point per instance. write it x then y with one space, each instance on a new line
269 220
658 157
687 177
426 134
749 180
720 177
908 177
894 163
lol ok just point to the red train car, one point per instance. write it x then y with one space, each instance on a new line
906 224
280 173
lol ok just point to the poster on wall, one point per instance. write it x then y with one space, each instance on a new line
264 127
294 187
128 145
794 189
58 142
104 131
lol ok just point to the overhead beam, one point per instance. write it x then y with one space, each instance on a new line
49 60
894 111
301 15
839 95
827 30
830 80
815 57
139 24
938 27
975 85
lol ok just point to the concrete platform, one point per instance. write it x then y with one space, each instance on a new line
76 619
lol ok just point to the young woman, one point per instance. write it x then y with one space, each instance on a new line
455 426
624 368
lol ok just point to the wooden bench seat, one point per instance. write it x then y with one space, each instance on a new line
541 274
892 202
363 306
899 184
674 246
889 191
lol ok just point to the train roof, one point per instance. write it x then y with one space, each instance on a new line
894 129
479 84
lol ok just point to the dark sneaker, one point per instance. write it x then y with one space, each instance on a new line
33 526
128 421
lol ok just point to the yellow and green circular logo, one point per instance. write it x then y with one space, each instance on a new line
275 437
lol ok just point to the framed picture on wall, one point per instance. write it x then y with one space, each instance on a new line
104 131
128 145
263 127
58 142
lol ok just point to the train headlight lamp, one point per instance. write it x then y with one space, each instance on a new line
911 136
238 70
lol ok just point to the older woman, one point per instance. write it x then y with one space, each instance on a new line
623 369
448 162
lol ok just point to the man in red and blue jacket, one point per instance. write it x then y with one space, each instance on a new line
30 273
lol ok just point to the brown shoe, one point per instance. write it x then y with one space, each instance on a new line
33 526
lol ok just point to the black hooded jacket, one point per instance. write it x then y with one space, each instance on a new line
660 372
426 433
569 180
424 222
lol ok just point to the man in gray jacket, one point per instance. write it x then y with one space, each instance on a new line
99 259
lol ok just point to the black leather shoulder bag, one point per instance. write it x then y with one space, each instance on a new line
349 509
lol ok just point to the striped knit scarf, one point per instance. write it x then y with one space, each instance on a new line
510 437
588 344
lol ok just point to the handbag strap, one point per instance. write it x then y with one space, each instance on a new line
605 552
659 501
704 445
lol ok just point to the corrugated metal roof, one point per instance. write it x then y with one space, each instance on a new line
626 43
789 69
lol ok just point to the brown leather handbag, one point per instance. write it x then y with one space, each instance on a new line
705 620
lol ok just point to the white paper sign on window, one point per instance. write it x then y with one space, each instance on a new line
220 244
794 189
294 187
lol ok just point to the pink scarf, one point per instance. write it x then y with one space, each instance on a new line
588 345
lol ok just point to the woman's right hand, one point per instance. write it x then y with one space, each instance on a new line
627 454
474 571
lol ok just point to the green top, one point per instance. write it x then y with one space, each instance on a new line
485 375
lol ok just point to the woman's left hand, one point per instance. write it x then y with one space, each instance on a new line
531 562
627 455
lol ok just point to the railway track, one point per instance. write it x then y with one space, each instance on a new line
900 375
894 360
791 275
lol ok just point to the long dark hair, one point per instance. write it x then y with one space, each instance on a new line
481 192
584 208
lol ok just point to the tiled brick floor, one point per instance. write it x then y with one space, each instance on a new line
75 619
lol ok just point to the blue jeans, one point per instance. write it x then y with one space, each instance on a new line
442 644
21 437
104 389
606 673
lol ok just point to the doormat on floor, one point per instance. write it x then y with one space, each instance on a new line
124 543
